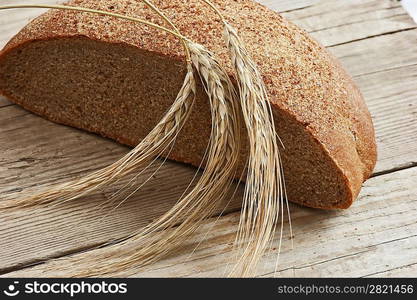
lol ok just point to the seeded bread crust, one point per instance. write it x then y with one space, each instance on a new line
305 83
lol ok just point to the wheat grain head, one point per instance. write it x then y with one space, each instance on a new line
164 133
177 225
264 191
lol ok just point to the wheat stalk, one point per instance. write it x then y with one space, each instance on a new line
224 145
263 199
163 236
264 190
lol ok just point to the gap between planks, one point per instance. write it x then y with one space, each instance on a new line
393 105
356 58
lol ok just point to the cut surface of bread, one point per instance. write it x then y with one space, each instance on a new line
117 79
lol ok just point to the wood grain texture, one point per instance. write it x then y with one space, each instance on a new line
338 22
12 21
44 154
376 42
4 102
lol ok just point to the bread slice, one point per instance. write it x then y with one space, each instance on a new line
117 78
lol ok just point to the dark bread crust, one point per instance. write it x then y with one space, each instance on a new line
311 93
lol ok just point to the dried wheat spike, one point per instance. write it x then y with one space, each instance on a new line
176 226
152 145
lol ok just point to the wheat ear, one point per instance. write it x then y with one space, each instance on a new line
165 235
142 248
163 134
264 190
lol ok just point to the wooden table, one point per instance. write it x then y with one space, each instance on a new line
374 39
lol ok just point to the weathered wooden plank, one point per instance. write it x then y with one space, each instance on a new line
411 7
37 152
393 106
4 102
363 263
15 20
331 22
363 240
337 22
409 270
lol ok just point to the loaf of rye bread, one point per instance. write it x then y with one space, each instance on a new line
117 78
